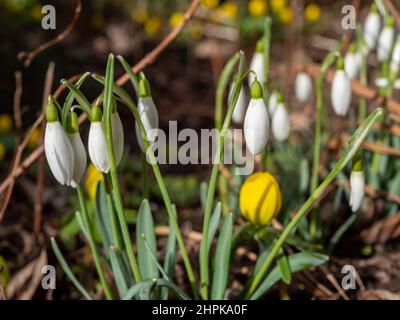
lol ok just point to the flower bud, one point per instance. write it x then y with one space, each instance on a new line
147 112
372 27
280 122
57 147
357 184
272 102
352 62
303 86
79 152
260 198
256 122
240 107
97 142
386 39
257 64
341 90
117 136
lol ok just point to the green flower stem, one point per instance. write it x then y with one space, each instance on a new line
107 105
328 61
93 247
204 261
110 206
126 99
145 181
267 46
362 111
355 142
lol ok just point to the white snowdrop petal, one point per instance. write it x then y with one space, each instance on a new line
351 65
240 107
303 86
149 116
80 158
280 123
372 27
257 65
117 136
341 93
381 82
385 43
357 185
272 102
59 153
97 145
256 126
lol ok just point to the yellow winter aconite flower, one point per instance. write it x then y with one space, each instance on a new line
36 12
286 15
140 15
210 3
152 26
260 198
229 9
312 12
257 8
35 138
175 19
6 123
278 5
93 177
2 152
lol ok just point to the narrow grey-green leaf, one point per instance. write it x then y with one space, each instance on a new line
120 275
284 267
103 216
222 259
145 226
214 221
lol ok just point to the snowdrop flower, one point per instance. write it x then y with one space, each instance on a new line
272 102
395 63
357 184
256 121
386 39
303 86
147 112
341 90
57 147
383 82
372 27
280 122
97 142
117 136
240 107
257 64
79 152
352 62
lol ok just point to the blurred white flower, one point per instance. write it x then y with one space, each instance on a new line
303 86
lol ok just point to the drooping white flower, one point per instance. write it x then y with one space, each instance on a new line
80 158
256 121
395 62
117 136
148 114
257 64
386 39
280 122
97 142
352 62
303 86
58 149
341 90
272 102
372 26
357 189
240 107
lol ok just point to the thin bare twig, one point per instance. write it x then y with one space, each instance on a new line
17 100
146 60
29 56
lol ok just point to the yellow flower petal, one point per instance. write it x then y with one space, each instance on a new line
286 15
175 19
140 15
152 26
260 198
229 9
36 137
278 5
211 4
6 123
257 8
3 152
92 179
312 12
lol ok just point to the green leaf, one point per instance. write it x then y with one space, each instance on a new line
122 276
81 224
132 76
222 259
142 290
214 221
297 262
103 216
203 194
67 269
304 172
284 267
170 256
145 226
79 96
